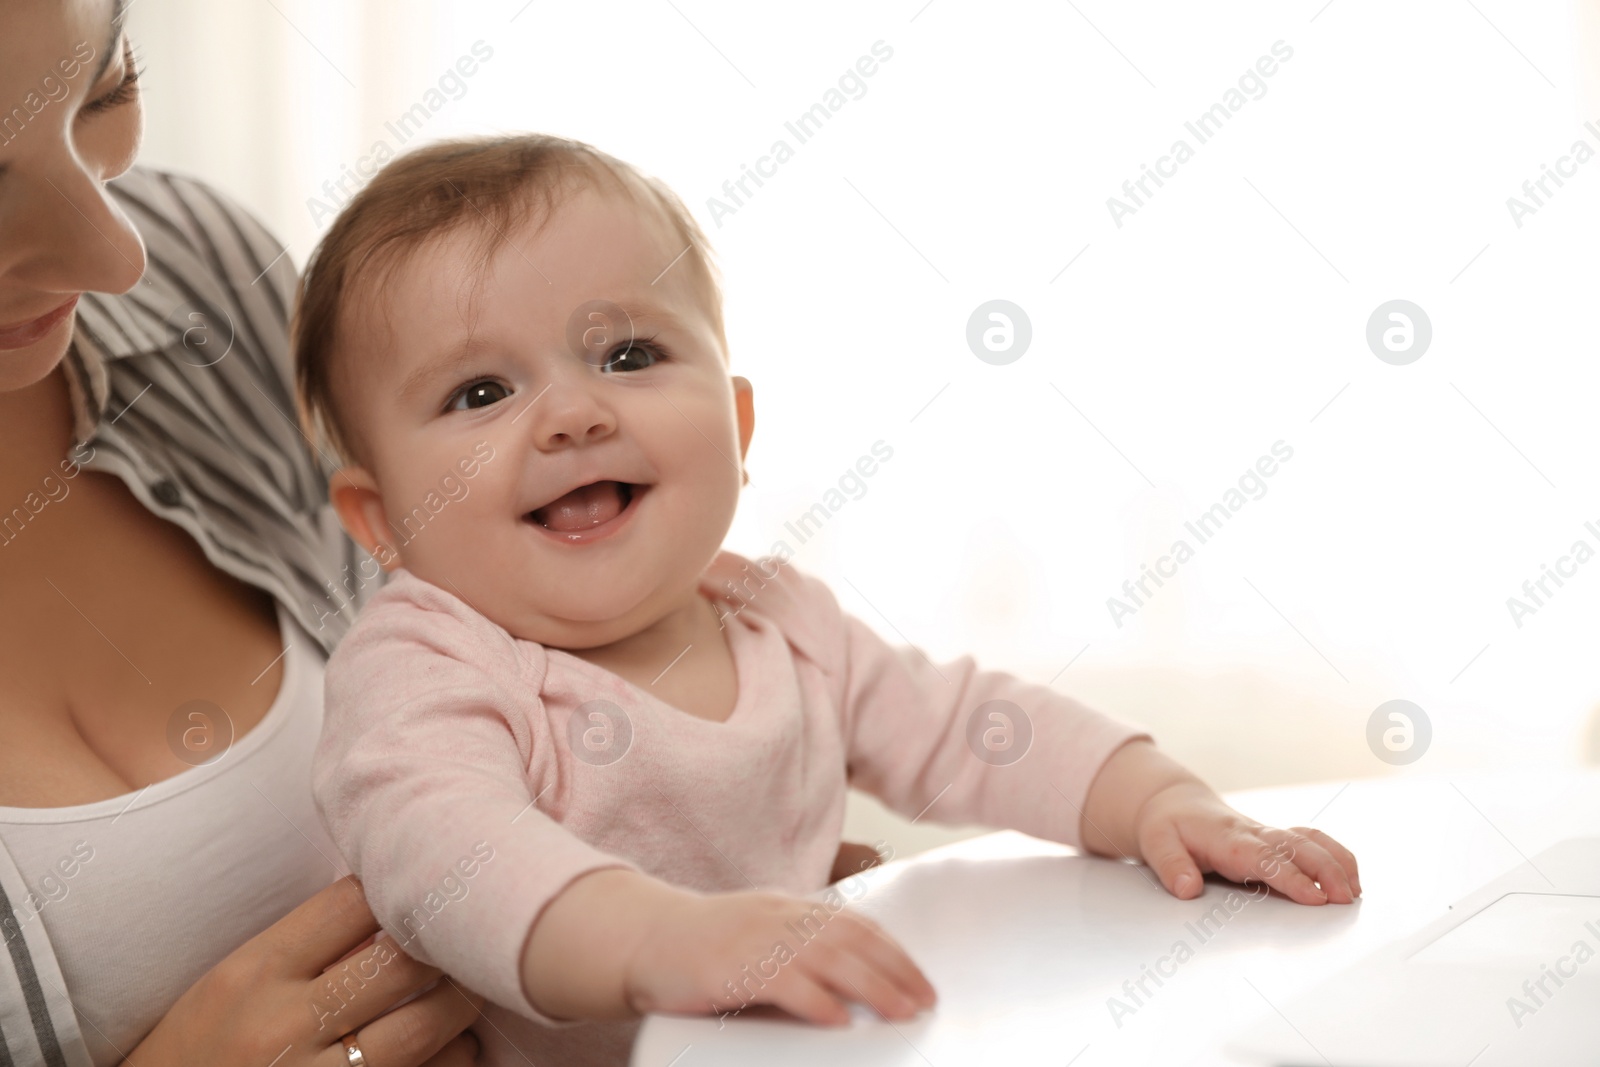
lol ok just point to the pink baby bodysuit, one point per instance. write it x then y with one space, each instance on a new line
469 776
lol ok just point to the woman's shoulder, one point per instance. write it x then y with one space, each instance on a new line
193 227
217 291
183 387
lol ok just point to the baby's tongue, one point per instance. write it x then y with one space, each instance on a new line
586 506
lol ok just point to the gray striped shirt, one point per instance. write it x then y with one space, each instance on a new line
182 387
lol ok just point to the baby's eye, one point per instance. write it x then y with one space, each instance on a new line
631 356
479 395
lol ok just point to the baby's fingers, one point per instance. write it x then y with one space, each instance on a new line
854 978
1345 857
805 997
882 952
1164 853
1312 862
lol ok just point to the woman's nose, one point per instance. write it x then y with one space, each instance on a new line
73 238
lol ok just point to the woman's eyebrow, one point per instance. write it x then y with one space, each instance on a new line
119 11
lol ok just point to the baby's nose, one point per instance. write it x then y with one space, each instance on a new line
568 413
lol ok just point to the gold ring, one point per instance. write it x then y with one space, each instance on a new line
352 1051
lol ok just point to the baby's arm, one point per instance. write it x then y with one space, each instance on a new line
618 943
918 737
425 762
1143 804
422 777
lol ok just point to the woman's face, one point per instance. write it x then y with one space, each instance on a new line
69 122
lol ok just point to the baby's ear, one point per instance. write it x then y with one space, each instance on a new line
353 492
745 405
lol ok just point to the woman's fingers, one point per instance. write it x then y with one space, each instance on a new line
461 1051
366 985
360 946
348 989
412 1034
852 859
321 930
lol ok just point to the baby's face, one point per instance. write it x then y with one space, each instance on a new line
603 478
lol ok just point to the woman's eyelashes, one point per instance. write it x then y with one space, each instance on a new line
124 92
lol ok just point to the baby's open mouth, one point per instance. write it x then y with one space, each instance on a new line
585 507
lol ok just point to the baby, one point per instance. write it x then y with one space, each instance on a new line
582 758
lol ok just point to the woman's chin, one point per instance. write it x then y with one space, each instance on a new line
22 367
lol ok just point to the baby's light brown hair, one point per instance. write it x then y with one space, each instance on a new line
492 185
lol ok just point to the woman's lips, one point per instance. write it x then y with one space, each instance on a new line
31 333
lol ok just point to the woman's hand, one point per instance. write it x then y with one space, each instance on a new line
288 995
1186 829
852 859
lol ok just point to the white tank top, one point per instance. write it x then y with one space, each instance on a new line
134 898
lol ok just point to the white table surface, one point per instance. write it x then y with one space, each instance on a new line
1026 941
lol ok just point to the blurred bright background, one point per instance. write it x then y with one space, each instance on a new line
1227 313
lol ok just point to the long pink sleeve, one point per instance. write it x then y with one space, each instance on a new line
423 771
449 774
914 730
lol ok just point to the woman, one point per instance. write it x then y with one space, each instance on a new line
172 580
165 551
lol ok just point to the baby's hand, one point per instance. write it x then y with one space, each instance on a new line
1186 828
722 953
